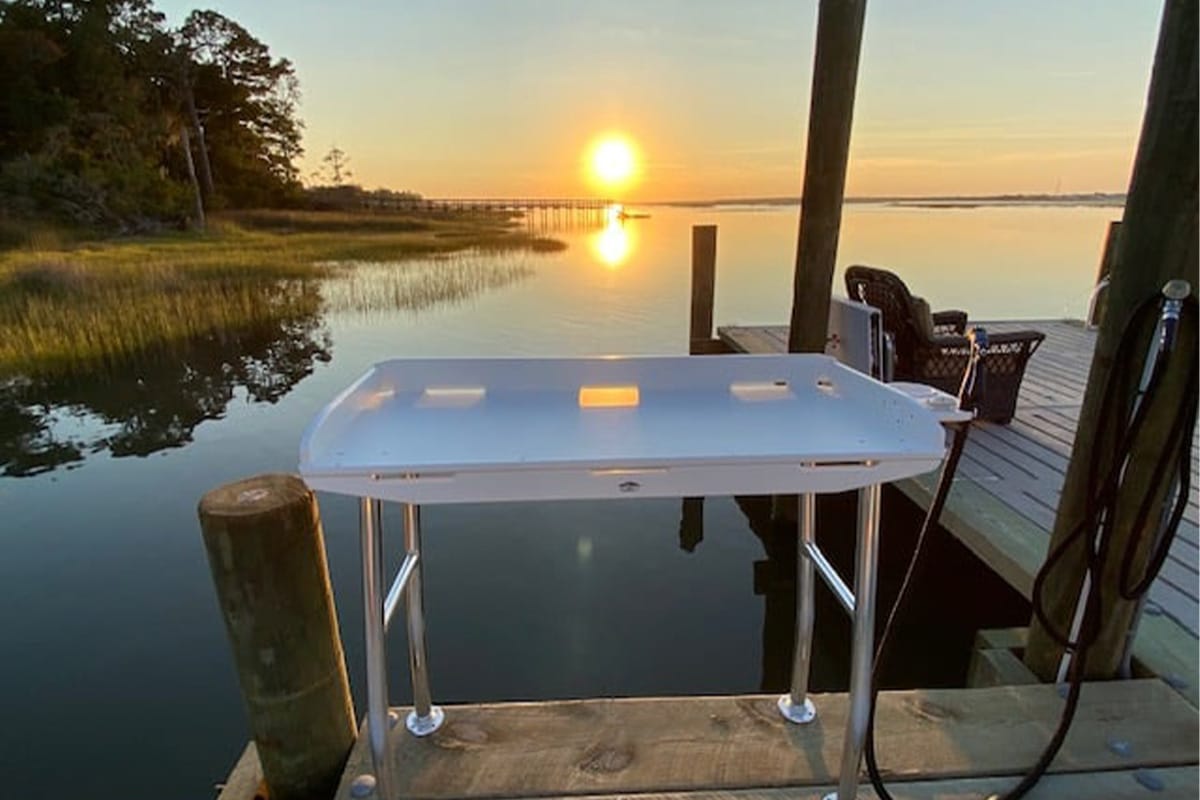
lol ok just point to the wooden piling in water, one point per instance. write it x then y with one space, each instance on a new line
267 555
704 282
831 112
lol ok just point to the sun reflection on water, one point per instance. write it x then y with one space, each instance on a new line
614 243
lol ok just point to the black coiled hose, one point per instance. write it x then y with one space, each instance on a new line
1119 428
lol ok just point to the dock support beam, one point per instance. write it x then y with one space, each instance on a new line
831 113
1158 242
267 554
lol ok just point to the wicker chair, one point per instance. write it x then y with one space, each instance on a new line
931 348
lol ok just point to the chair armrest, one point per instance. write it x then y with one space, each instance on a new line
1008 340
949 322
947 342
1011 341
1030 338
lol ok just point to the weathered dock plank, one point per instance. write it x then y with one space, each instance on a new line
1003 503
1177 783
245 782
586 747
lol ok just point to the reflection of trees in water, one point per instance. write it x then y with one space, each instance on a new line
140 405
156 400
27 444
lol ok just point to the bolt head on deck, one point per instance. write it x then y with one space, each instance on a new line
423 726
1149 779
1119 746
799 714
362 786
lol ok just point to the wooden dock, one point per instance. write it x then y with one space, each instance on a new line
945 743
1130 739
1004 499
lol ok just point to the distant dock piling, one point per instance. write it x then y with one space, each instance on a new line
266 551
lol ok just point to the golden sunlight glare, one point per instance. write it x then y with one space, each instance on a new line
613 162
613 243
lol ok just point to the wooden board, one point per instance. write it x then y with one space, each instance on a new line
674 744
245 782
1178 783
1015 548
1003 504
998 667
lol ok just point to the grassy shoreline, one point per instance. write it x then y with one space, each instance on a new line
92 302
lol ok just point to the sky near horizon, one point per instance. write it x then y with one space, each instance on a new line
479 98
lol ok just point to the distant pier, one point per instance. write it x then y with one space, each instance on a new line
541 214
515 204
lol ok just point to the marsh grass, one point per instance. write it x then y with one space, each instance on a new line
79 305
379 287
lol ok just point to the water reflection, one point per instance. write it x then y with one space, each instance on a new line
613 244
140 405
155 401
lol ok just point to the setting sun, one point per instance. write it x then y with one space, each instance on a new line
613 162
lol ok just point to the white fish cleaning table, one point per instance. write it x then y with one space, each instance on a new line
426 431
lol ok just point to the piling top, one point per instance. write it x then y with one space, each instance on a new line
250 497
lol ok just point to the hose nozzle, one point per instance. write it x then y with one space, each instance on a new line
1174 292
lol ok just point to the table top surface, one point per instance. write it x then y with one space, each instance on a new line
463 415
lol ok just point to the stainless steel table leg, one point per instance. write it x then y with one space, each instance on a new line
795 706
425 718
863 653
376 648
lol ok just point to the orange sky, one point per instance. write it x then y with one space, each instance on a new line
477 98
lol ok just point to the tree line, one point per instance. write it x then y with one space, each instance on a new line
111 118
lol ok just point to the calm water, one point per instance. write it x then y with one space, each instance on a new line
116 672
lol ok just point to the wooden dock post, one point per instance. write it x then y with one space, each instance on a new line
700 342
704 283
267 555
831 112
1158 242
